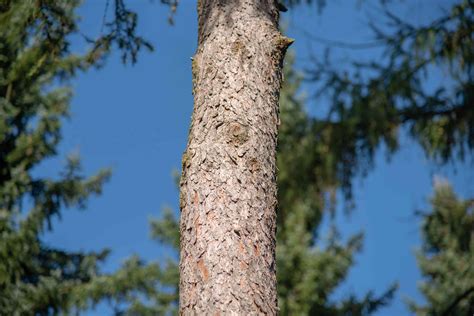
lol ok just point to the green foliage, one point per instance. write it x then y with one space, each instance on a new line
372 101
126 288
447 255
369 104
310 268
121 30
166 229
35 64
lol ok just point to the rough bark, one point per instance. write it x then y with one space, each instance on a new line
228 186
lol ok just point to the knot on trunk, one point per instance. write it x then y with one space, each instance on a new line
281 44
253 165
238 133
237 47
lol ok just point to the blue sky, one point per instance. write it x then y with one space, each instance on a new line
135 120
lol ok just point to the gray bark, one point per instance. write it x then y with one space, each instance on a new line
228 185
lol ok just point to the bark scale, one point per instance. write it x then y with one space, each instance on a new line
228 185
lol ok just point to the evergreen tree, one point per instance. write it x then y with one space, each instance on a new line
447 255
36 64
371 102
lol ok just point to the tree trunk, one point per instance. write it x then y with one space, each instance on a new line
228 186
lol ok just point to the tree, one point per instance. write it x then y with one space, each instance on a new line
35 66
309 270
446 256
228 185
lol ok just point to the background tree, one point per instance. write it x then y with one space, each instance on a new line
36 64
446 256
371 102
